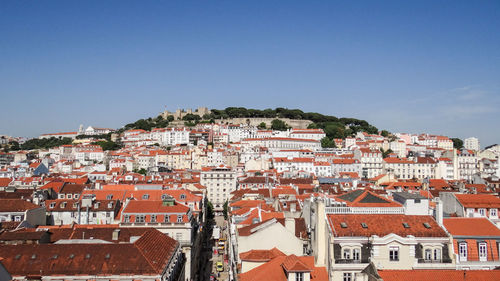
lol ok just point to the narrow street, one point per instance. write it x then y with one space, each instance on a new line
210 254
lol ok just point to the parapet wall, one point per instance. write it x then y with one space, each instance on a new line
294 123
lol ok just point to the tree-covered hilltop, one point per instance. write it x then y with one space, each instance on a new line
334 127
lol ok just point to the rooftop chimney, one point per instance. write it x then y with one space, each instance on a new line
116 234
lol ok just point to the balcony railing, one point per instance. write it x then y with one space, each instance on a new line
351 261
364 210
434 261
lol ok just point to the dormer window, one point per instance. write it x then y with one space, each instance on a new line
183 196
68 196
179 218
462 251
299 276
145 196
482 212
109 197
52 205
483 251
164 197
347 254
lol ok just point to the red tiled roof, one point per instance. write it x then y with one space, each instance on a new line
5 181
147 256
293 264
478 200
261 255
274 270
382 225
16 205
471 227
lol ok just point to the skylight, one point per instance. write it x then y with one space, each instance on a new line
364 225
427 225
343 225
406 225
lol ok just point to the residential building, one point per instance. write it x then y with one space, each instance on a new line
472 143
220 182
475 242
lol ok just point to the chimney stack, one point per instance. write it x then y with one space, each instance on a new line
116 234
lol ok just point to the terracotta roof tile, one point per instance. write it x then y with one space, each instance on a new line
471 227
382 225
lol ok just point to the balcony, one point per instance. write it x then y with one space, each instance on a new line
434 261
351 261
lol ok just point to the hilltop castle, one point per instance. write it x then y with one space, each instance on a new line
179 113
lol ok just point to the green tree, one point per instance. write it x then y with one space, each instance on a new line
279 125
262 126
108 145
457 143
327 143
386 152
334 130
170 118
191 117
210 210
142 171
224 209
14 145
384 133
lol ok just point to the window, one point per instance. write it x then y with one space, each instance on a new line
437 254
109 196
428 254
394 253
183 196
17 218
153 218
299 276
347 276
52 205
179 218
462 251
347 254
483 251
482 212
493 212
167 218
127 218
140 218
145 196
356 254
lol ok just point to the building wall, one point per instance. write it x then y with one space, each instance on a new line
288 243
36 216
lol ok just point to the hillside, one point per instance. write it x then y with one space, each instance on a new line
334 127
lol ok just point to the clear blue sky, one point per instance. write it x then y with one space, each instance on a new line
407 66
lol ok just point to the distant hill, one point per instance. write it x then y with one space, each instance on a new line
334 127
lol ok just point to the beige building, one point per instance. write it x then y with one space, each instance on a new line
220 182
